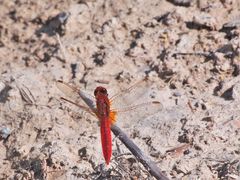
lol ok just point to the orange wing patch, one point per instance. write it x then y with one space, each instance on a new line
112 116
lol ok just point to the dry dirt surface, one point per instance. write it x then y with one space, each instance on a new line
188 49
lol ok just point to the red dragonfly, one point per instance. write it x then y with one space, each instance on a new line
104 108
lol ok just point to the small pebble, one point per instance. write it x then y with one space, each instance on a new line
177 94
5 132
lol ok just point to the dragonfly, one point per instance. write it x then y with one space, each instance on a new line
106 109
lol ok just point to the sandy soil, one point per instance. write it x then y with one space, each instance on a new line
190 54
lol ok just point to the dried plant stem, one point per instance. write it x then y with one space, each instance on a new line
61 47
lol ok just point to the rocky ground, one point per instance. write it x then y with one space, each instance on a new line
188 49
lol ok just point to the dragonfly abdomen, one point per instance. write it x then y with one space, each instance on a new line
106 139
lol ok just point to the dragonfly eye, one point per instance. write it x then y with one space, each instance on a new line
100 90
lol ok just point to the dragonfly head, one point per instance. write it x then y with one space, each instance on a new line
100 90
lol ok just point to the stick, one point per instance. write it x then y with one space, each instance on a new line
150 166
210 55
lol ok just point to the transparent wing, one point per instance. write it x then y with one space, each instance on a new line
77 97
131 104
135 103
128 90
136 113
89 110
133 94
